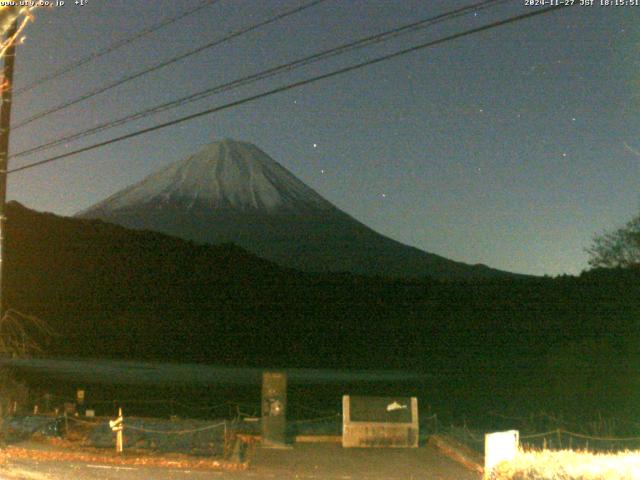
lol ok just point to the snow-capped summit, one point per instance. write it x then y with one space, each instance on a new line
234 192
224 176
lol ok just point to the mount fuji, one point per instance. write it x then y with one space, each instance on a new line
232 191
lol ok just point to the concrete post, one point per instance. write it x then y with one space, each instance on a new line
499 447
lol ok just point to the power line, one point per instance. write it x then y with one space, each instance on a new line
165 63
114 46
293 85
287 67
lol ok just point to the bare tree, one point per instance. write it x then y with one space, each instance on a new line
21 335
619 248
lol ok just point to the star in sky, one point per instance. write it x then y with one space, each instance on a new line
631 149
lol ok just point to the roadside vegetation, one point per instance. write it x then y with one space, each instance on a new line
569 465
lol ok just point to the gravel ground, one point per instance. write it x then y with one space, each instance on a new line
302 461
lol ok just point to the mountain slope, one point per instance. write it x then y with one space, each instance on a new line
233 192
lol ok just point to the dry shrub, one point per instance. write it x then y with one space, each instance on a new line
570 465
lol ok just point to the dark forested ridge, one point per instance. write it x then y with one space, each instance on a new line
113 292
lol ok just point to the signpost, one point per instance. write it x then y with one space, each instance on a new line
379 421
117 426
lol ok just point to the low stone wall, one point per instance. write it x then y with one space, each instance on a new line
458 452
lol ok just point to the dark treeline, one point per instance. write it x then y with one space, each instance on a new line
566 344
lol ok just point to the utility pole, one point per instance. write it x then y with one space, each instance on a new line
5 123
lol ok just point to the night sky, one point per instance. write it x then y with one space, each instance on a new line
511 147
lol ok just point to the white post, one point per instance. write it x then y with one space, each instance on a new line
119 434
499 447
